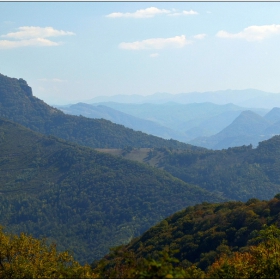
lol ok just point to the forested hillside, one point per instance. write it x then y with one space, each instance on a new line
235 173
205 235
81 199
238 173
19 105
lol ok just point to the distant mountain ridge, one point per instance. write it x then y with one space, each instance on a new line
247 128
245 98
183 122
118 117
18 104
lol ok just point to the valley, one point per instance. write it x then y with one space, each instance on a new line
139 140
89 184
203 124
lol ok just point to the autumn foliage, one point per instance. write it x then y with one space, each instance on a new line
26 257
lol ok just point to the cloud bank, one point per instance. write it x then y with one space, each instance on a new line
252 33
184 13
156 43
149 13
32 36
143 13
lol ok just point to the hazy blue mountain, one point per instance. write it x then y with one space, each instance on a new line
171 114
273 115
118 117
18 104
193 120
251 98
272 130
213 125
247 128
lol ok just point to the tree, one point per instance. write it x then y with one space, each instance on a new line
261 261
26 257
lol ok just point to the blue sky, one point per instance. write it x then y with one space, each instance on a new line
74 51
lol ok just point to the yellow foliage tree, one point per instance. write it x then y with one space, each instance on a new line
26 257
261 261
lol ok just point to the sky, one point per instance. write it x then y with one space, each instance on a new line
74 51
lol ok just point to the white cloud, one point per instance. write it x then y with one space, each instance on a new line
156 43
199 36
143 13
27 32
32 36
6 44
154 55
252 33
184 13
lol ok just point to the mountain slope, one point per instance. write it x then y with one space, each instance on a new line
273 115
247 128
18 104
202 233
237 173
115 116
81 199
193 120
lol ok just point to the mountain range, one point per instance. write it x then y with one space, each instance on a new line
250 98
18 104
205 125
183 122
58 180
118 117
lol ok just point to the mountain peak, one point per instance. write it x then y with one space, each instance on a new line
25 87
13 88
273 115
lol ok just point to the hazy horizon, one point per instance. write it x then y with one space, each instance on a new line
75 51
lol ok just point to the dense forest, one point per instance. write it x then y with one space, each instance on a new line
82 199
55 186
19 105
236 173
220 240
